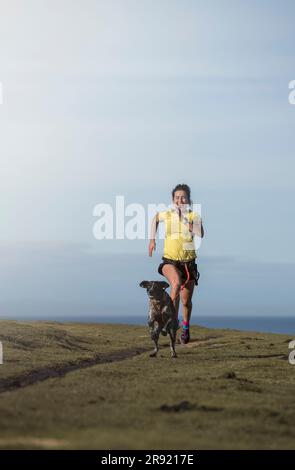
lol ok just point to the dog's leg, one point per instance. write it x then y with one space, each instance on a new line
172 335
155 337
155 351
165 327
166 311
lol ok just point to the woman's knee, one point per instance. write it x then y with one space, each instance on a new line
175 284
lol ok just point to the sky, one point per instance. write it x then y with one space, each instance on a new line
107 98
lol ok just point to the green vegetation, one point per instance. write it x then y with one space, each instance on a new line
94 386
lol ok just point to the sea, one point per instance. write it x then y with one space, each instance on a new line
68 283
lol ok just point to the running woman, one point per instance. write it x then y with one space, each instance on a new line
178 265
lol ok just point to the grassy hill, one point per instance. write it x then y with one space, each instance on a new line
94 386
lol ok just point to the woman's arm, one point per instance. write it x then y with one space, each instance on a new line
154 227
196 227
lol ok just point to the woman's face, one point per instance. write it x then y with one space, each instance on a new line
180 198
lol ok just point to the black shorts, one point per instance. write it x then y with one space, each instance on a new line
180 265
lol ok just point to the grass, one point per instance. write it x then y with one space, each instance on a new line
94 386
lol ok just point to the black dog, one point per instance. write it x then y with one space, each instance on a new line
162 314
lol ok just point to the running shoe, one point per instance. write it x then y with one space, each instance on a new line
185 336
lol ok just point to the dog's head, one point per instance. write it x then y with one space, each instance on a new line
154 288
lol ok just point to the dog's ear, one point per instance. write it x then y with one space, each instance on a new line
144 284
163 284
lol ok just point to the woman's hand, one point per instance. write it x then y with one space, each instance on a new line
152 247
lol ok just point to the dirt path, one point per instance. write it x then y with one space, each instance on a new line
60 370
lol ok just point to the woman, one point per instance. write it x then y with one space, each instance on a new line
178 265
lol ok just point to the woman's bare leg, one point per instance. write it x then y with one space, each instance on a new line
173 276
186 299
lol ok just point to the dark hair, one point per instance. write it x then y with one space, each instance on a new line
183 187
